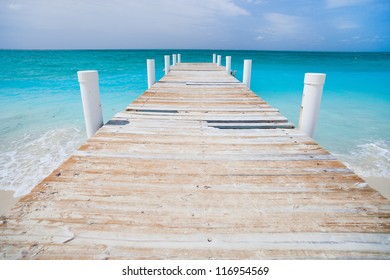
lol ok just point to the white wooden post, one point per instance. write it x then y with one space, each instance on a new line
311 101
228 64
150 65
178 58
167 61
90 96
173 59
218 60
214 58
247 72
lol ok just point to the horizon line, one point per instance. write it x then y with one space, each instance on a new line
184 49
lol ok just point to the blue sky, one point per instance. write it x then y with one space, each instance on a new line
324 25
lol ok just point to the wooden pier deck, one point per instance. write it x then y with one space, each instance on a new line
199 167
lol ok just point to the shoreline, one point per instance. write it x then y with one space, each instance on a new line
382 185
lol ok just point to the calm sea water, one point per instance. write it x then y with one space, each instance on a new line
41 119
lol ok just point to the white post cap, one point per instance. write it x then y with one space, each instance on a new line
86 76
314 78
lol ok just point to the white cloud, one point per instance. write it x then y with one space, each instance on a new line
255 2
285 31
344 3
13 6
187 23
278 24
346 24
363 40
226 7
127 23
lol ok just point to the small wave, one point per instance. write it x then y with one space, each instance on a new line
25 161
370 159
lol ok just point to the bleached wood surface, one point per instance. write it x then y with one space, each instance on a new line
199 167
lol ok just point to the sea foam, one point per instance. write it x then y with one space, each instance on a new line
371 159
29 159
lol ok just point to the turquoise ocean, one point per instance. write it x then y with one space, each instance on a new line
41 118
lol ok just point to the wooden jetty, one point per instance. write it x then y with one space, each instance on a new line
199 167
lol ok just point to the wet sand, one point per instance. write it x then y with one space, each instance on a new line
382 185
7 201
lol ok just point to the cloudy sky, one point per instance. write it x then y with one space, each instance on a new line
335 25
